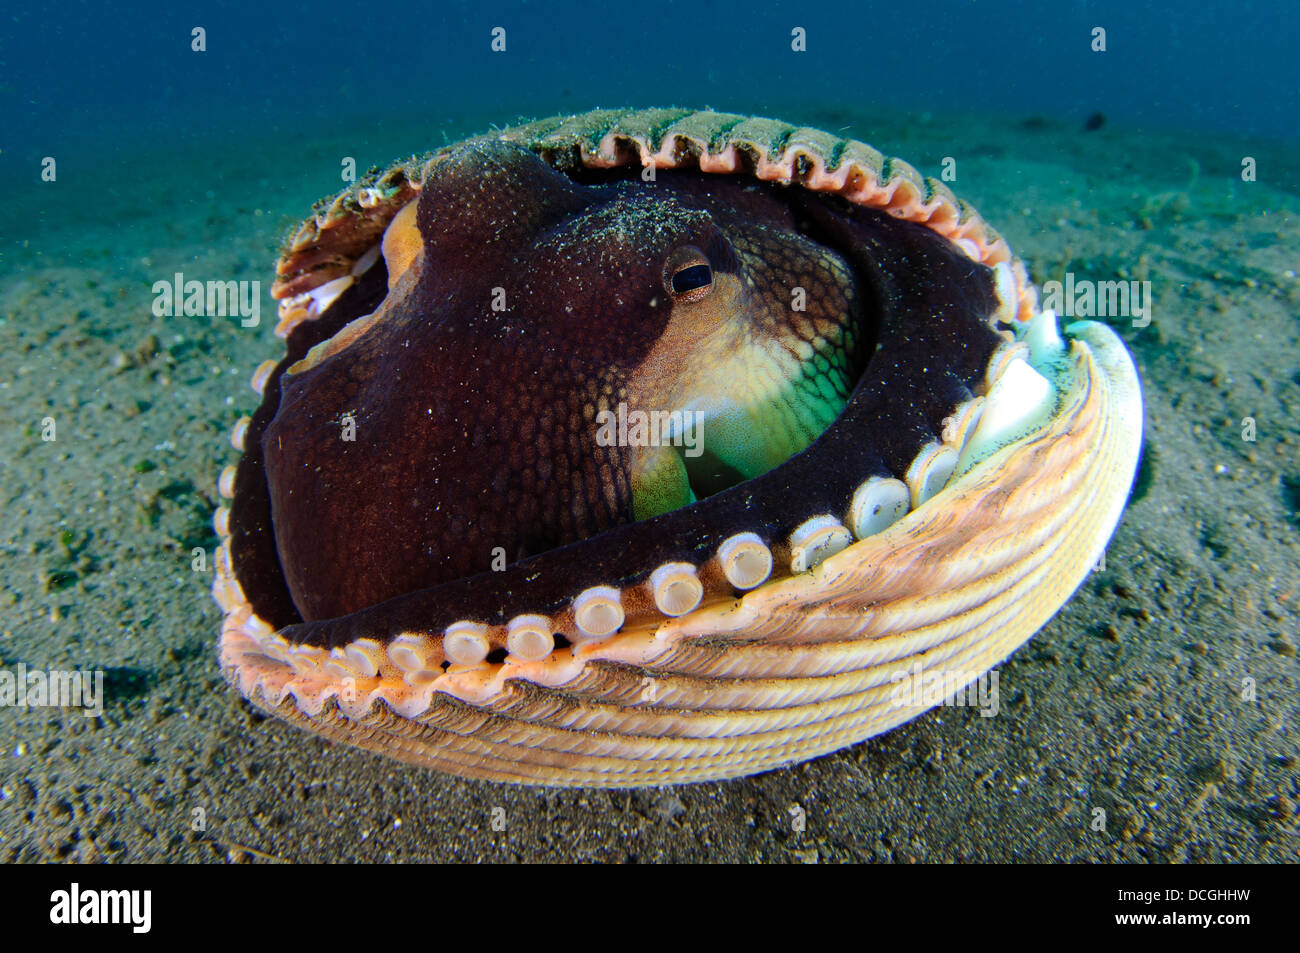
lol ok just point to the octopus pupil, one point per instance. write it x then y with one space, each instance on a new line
692 277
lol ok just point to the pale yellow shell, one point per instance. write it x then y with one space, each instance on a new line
811 658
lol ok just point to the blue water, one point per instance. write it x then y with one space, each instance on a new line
127 77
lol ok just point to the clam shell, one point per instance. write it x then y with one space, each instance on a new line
691 677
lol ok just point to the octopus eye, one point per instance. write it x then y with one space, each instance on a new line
692 278
688 275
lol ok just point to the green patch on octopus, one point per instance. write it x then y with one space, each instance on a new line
753 420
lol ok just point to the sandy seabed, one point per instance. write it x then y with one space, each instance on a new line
1134 699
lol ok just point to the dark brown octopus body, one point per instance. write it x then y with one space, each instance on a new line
446 543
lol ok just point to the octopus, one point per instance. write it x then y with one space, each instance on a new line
648 447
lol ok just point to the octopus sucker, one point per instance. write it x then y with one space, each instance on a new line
576 475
